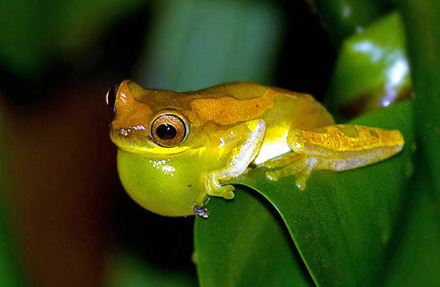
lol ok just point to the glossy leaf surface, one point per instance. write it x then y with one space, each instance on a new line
417 249
372 69
341 224
242 243
421 23
415 254
345 17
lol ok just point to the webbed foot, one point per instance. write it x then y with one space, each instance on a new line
284 160
214 188
301 169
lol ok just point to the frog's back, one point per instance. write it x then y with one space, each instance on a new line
276 106
283 110
296 110
238 90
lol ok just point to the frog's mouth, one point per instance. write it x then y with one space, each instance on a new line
145 147
156 151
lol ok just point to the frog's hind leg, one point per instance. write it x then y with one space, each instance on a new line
299 165
335 148
283 160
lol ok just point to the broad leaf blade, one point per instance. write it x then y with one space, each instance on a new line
371 70
421 19
341 224
244 243
415 259
195 44
345 17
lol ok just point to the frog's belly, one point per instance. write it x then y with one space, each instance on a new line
274 144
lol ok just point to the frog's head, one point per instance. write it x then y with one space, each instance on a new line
148 121
159 149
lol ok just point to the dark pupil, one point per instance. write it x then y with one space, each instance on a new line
166 132
112 96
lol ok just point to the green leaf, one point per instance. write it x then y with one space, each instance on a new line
242 243
341 224
345 17
421 23
416 249
82 22
33 34
196 44
126 269
22 44
372 69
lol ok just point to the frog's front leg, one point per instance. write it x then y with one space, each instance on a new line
336 148
247 148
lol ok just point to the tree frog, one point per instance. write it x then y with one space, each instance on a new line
177 149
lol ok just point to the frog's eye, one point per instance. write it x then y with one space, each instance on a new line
110 97
168 130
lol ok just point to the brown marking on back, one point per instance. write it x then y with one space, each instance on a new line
229 110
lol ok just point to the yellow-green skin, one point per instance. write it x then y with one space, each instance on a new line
230 127
164 186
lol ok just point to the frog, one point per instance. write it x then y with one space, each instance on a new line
176 150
